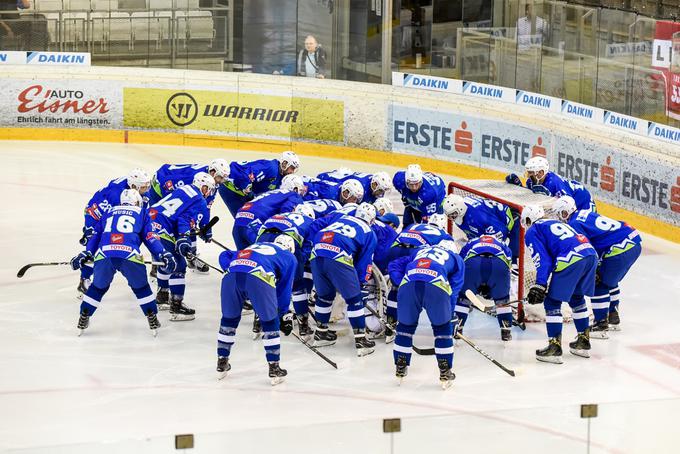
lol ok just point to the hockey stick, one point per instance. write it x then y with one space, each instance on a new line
485 354
25 268
477 304
312 348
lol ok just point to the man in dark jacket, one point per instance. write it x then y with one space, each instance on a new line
311 60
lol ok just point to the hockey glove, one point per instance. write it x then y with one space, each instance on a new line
287 323
87 234
540 189
536 294
513 179
206 236
78 260
169 263
184 248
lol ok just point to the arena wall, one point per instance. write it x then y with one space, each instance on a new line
630 165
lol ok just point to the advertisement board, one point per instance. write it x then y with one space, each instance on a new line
62 103
233 113
666 58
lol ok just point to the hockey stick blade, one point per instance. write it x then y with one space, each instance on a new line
423 351
475 300
312 348
485 355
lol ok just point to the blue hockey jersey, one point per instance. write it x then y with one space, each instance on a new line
428 199
179 212
121 232
295 225
269 262
434 265
322 207
267 205
104 200
487 244
258 176
555 246
421 235
171 176
557 186
608 237
486 217
385 236
350 241
340 176
320 189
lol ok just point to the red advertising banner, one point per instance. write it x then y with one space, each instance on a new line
666 58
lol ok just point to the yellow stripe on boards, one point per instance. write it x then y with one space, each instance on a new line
363 155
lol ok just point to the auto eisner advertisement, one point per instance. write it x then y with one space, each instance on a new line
464 138
61 104
637 182
232 113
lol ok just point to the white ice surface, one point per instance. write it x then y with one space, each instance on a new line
116 383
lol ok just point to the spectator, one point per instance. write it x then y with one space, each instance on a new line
531 29
312 59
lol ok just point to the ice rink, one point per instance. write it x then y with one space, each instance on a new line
118 389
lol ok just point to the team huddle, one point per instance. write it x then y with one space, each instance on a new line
302 240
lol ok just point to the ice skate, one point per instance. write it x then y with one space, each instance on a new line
401 369
257 328
83 285
581 346
390 330
154 324
163 299
178 311
446 375
324 337
600 330
198 267
83 322
614 320
363 345
223 367
276 374
506 331
552 353
304 330
247 308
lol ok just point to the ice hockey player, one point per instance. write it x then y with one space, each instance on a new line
422 194
618 246
170 176
541 181
101 203
431 280
375 185
296 225
176 217
115 246
341 261
250 179
251 215
569 261
320 189
405 244
487 274
262 273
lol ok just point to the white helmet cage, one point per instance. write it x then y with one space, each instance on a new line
220 166
305 210
204 179
353 188
138 178
131 197
288 159
383 204
564 207
366 212
293 183
531 214
285 242
439 220
454 208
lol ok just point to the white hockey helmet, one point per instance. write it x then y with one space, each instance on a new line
448 245
383 205
564 207
366 212
285 242
414 174
131 197
305 210
289 159
536 164
202 179
454 208
220 167
351 189
293 183
380 184
439 220
139 179
531 214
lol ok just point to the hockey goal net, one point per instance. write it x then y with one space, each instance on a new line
516 198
